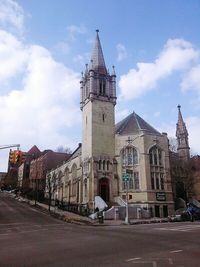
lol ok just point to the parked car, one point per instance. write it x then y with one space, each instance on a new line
179 215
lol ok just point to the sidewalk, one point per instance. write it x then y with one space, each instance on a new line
82 220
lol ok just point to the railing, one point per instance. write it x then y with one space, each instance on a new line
81 209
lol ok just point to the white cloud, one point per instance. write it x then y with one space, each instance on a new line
11 14
121 51
176 55
191 80
193 126
121 114
13 56
45 108
73 30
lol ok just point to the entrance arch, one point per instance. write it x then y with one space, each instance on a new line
104 191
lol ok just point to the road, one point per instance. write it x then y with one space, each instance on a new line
29 237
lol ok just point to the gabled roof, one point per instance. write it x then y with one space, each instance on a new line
134 124
34 150
76 152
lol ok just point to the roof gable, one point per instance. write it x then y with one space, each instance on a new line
134 124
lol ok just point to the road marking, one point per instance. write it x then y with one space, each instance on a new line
133 259
176 251
170 261
182 228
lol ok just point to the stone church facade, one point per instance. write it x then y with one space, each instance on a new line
109 151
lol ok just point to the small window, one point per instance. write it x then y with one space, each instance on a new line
107 165
152 181
103 117
99 164
104 165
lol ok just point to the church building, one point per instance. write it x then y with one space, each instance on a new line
114 161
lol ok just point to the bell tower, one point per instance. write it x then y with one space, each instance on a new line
182 137
98 99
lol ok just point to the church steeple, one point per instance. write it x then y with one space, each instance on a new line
97 58
182 137
97 83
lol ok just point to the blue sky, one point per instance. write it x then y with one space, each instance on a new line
44 46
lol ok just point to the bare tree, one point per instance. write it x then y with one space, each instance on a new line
51 185
63 149
183 178
173 144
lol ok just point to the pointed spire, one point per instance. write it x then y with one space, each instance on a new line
182 137
181 125
97 57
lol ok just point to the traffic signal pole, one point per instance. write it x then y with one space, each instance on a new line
127 215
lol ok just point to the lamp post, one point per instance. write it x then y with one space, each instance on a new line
125 178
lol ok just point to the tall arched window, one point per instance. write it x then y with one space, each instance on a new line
99 164
157 168
74 176
102 86
129 156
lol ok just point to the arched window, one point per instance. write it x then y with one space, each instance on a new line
74 176
156 168
155 156
66 175
74 171
99 164
102 86
104 165
108 165
129 156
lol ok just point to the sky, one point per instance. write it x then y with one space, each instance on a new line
44 46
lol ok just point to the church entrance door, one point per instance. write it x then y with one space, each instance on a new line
104 189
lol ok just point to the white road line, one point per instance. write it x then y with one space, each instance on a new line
133 259
176 251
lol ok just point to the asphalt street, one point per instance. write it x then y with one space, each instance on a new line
29 237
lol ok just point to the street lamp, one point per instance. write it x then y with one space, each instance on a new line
125 178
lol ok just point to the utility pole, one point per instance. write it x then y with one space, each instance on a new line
125 178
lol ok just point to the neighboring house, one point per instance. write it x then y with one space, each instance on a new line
24 168
110 151
42 164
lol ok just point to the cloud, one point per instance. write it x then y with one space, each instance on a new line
45 107
176 55
121 51
11 15
193 126
191 80
73 30
13 56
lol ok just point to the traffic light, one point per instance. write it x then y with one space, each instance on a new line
17 156
12 156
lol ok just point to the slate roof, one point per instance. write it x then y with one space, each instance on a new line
134 124
97 57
